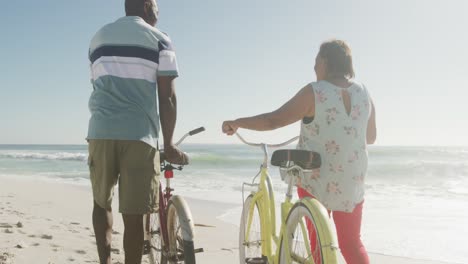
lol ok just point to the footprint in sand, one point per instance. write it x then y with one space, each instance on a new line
5 225
74 223
36 244
116 250
82 252
71 259
227 249
6 258
21 244
48 237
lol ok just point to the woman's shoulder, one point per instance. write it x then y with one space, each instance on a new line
359 85
319 85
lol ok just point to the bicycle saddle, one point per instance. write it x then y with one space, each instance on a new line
305 159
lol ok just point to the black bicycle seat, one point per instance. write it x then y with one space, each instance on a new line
305 159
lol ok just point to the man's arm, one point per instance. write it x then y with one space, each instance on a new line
168 115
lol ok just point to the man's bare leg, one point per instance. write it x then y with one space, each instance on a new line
102 223
133 238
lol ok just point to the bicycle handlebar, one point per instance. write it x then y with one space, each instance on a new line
191 133
196 131
267 145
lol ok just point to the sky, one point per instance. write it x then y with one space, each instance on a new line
242 58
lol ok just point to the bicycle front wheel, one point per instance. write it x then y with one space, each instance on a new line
308 238
180 230
155 240
250 235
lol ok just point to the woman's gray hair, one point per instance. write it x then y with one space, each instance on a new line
337 55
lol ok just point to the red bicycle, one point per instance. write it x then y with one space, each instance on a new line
169 233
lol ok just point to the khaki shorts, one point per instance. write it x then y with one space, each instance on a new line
134 165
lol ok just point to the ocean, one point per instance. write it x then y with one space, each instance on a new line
416 202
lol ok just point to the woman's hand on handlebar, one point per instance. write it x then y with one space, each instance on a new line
230 127
173 155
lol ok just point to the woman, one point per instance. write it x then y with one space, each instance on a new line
338 121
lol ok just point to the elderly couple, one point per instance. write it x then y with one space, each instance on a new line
133 67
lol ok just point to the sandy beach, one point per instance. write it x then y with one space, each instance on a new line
49 222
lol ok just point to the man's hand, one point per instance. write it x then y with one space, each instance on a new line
230 127
175 156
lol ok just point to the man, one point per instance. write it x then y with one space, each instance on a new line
132 64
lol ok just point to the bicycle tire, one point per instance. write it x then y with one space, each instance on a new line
180 230
156 253
256 256
327 247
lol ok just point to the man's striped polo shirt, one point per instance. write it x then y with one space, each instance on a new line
127 57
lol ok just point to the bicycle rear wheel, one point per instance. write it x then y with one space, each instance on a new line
180 231
250 236
308 234
155 240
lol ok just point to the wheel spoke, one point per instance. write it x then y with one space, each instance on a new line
155 240
179 250
250 233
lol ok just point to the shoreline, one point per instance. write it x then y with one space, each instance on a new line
56 227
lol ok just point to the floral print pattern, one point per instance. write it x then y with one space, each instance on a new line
320 96
332 147
333 187
355 112
335 168
339 137
331 115
353 157
351 131
314 129
359 178
348 205
315 174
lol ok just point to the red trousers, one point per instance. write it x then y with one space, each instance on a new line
348 229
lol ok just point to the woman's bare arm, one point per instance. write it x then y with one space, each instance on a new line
371 126
301 105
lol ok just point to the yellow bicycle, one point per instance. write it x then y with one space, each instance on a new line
305 234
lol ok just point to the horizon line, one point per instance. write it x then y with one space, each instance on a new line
236 144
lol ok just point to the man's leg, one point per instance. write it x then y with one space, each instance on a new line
103 175
102 223
133 238
138 193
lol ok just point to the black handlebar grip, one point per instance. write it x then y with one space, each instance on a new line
196 131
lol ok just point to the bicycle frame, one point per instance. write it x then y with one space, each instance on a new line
165 196
264 198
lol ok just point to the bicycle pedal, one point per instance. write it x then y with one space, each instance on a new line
198 250
262 260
